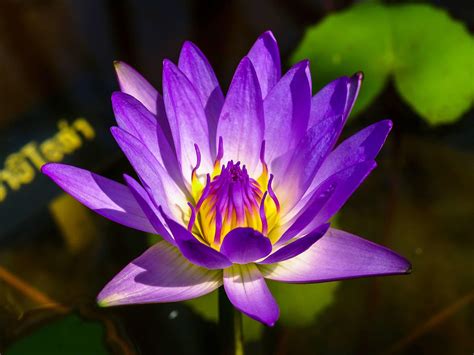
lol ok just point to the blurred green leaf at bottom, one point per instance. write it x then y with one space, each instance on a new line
299 305
70 335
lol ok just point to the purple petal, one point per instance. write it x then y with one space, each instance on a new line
316 202
148 208
195 251
295 170
248 292
354 85
241 123
329 101
350 180
244 245
106 197
135 119
296 247
336 98
362 146
336 256
196 67
286 110
132 83
187 119
161 274
163 188
265 58
339 188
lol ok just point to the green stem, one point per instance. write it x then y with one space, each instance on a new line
230 324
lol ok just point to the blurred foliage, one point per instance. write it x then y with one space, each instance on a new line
428 54
206 307
69 335
299 305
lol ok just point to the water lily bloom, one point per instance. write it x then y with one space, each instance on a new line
240 186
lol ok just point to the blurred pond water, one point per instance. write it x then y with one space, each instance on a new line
55 255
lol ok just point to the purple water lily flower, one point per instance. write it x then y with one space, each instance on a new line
241 187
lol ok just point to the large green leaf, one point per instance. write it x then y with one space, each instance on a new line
344 43
299 305
206 306
429 55
434 68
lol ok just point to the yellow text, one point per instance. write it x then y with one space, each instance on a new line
20 168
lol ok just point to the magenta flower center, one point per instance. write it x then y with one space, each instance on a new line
231 199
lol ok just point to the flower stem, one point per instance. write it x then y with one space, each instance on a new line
230 324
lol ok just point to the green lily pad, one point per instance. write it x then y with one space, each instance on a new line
347 42
428 54
207 307
434 69
299 306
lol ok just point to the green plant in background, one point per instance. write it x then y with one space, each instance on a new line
300 305
429 55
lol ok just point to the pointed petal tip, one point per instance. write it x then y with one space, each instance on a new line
271 324
50 169
115 130
359 75
408 266
268 34
168 67
120 65
117 97
46 168
267 322
107 299
187 49
127 178
245 61
404 265
118 133
104 298
167 63
246 66
303 64
120 98
271 321
389 123
189 45
170 70
102 303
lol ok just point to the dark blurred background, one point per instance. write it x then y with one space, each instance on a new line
56 78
